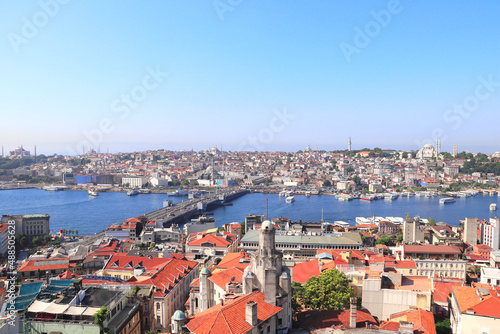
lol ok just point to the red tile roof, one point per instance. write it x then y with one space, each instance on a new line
442 290
423 321
430 249
234 260
301 272
230 317
406 264
122 261
212 239
315 319
221 278
45 264
468 299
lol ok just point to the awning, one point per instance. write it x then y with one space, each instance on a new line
56 308
75 310
38 306
90 311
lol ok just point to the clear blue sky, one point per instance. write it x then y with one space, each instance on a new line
66 69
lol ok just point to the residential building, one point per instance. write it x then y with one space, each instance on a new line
33 225
410 321
441 297
495 258
304 246
455 269
435 252
74 313
214 245
388 293
474 310
491 233
470 231
44 267
387 227
413 231
134 182
442 233
490 276
251 221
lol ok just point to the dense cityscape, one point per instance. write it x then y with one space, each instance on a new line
177 270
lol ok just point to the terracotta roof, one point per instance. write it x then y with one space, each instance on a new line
221 278
234 260
213 239
430 249
230 317
122 261
423 321
301 272
468 299
442 290
45 264
406 264
315 319
3 227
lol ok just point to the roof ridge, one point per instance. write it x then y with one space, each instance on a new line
227 322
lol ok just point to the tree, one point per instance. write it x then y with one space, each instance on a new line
400 238
432 222
21 240
36 241
375 230
327 183
443 326
185 182
297 295
267 181
99 318
386 240
47 238
328 291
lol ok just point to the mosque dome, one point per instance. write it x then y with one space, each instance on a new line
179 316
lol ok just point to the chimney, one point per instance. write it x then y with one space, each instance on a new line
354 311
405 327
251 313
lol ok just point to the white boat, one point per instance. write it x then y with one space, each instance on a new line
341 223
290 199
145 191
390 197
93 193
53 188
446 200
133 192
344 197
493 207
308 194
178 193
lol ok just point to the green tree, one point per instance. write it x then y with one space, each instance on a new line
21 240
327 183
328 291
36 241
267 181
443 326
386 240
99 318
185 182
400 238
297 295
47 238
432 222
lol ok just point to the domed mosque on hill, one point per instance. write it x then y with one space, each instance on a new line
429 152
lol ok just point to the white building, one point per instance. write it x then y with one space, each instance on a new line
134 182
442 268
490 276
158 182
491 233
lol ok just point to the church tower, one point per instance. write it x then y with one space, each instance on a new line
267 274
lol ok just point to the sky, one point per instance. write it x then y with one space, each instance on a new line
124 76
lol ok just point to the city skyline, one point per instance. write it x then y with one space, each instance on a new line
249 76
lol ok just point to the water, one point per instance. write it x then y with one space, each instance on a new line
76 210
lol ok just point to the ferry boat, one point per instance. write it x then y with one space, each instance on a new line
133 192
368 198
308 194
93 193
341 223
145 191
53 188
344 197
446 200
390 197
493 207
178 193
290 199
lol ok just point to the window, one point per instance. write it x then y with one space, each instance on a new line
157 306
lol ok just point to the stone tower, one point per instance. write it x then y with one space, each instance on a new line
267 274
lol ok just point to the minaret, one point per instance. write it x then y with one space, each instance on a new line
349 144
455 150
